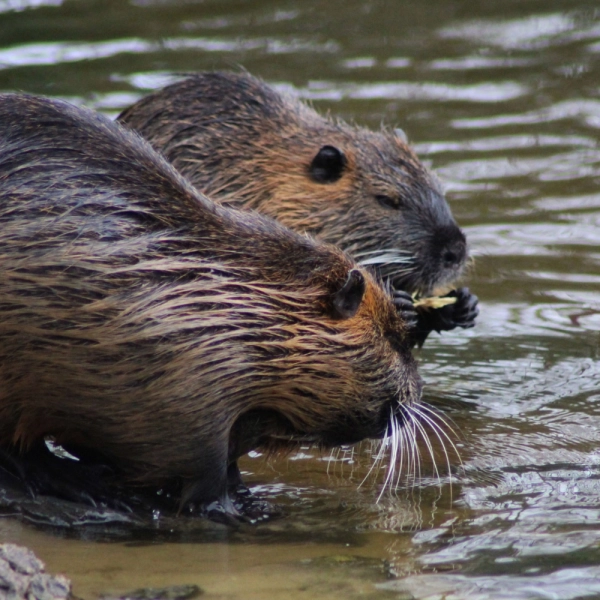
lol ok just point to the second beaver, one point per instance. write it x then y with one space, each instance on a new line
244 144
170 335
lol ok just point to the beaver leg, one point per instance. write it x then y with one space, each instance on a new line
251 508
233 505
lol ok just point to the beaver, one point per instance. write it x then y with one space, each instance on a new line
169 334
246 145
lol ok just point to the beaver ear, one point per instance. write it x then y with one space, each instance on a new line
348 299
328 165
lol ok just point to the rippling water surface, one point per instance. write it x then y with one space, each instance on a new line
503 100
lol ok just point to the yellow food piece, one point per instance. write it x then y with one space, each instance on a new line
434 302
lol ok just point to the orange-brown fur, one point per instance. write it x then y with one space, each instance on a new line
169 334
246 145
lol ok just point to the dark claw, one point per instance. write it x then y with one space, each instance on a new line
460 314
465 310
406 308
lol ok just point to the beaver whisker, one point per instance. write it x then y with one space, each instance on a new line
391 253
441 434
411 460
351 450
404 456
358 254
386 259
380 446
439 431
404 452
414 448
332 459
427 441
393 455
447 420
394 275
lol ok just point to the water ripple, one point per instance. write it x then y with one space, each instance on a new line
530 33
482 92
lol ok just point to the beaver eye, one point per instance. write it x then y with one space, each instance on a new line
328 165
388 201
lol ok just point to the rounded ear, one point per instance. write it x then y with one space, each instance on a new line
328 165
347 300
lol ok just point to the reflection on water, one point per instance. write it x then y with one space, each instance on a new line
503 100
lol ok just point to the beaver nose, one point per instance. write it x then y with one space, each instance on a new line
454 251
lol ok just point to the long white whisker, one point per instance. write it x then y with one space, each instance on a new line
375 461
439 432
448 421
414 448
392 465
380 251
384 259
431 419
403 457
427 441
394 452
331 459
417 447
410 451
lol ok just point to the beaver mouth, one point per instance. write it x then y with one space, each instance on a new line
271 431
425 283
261 428
415 272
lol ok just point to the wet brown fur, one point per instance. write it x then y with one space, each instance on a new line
143 321
244 144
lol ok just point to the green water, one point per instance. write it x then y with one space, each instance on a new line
503 100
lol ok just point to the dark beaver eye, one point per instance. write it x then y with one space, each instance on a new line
328 165
387 201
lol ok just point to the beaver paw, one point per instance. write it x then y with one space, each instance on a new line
421 322
460 314
236 508
406 309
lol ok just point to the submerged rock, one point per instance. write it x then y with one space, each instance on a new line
22 577
176 592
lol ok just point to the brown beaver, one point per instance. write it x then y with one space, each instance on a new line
244 144
169 334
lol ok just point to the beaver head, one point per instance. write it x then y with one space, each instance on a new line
245 144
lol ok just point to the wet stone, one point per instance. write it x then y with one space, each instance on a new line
175 592
22 577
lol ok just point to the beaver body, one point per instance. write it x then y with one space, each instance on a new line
244 144
170 334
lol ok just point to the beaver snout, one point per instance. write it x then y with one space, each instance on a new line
454 248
